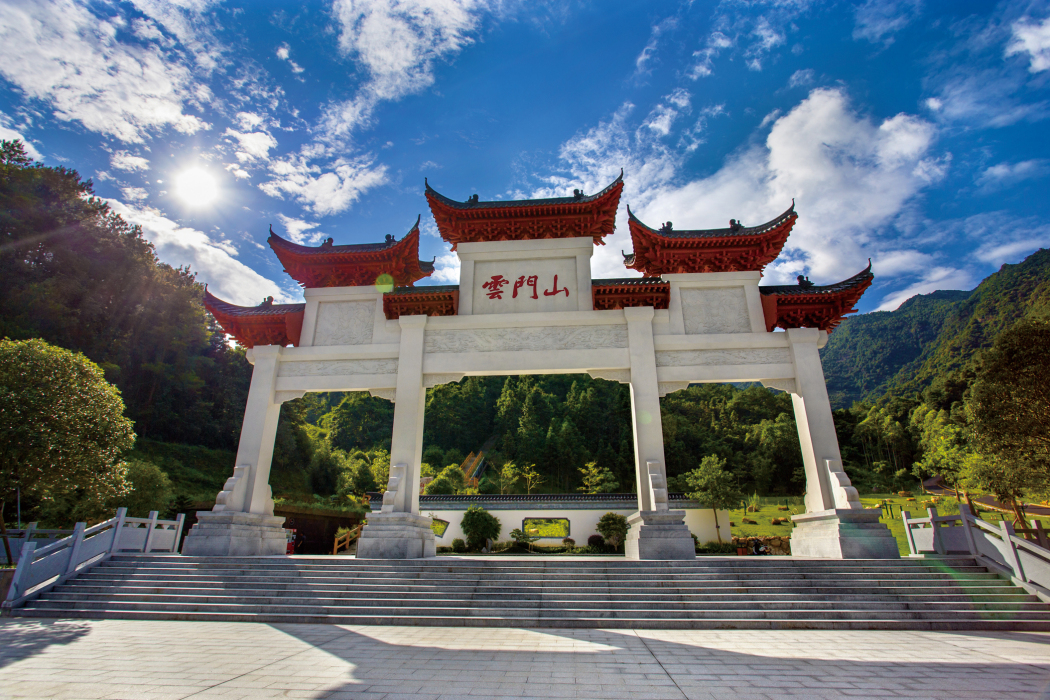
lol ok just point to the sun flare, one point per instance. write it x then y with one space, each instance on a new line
196 187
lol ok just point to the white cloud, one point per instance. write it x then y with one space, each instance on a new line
662 117
704 59
1003 237
227 278
1006 174
122 160
7 133
766 38
135 194
802 78
60 53
983 98
878 20
284 53
253 145
933 280
297 228
851 178
446 266
641 64
1032 38
397 43
324 191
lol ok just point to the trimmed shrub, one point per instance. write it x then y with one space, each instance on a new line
569 542
459 546
595 541
613 527
479 525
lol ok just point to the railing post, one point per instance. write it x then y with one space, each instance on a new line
1040 533
30 529
971 543
25 560
118 529
74 548
907 531
179 519
938 546
149 533
1011 550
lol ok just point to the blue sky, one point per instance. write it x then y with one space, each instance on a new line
912 132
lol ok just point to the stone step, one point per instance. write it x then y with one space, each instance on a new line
552 613
739 603
933 594
1017 625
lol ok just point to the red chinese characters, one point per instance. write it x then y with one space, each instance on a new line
494 287
554 291
522 281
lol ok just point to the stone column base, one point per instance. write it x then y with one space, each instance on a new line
396 536
843 534
659 534
228 533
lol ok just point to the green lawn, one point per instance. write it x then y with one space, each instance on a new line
770 508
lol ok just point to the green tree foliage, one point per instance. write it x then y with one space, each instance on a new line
531 477
613 527
80 277
713 487
328 471
150 489
597 479
479 525
360 422
1009 403
63 433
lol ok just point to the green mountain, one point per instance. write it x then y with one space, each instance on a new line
932 334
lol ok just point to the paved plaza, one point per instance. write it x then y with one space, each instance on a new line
83 659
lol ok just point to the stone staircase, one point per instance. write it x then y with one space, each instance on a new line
710 593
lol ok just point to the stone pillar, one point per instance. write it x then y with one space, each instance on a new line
835 525
398 531
242 522
655 532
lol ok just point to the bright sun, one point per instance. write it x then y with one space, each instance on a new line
196 187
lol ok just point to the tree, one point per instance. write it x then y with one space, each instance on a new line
1009 402
62 429
479 525
150 489
532 477
597 479
613 528
1007 481
507 477
713 487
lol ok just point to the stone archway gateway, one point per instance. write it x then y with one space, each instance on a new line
526 304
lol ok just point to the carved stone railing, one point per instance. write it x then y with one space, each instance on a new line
40 570
999 548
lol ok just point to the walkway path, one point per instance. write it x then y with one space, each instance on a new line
936 486
81 660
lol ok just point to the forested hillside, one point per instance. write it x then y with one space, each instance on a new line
931 335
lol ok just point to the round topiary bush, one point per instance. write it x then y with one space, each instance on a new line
459 546
479 526
613 527
595 541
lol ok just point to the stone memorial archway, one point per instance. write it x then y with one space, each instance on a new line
526 304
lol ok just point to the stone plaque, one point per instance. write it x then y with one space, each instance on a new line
717 310
525 286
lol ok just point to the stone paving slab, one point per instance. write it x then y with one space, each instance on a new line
169 660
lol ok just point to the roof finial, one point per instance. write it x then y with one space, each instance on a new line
667 226
577 194
473 199
735 225
804 282
268 301
328 243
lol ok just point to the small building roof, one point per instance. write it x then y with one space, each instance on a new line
806 305
431 300
630 291
329 265
536 501
474 221
265 324
666 251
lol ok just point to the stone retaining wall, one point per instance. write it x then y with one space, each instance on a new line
776 544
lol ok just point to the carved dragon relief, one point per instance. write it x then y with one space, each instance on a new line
336 367
755 356
543 338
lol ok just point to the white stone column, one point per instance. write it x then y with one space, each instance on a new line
242 522
655 532
835 524
398 531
